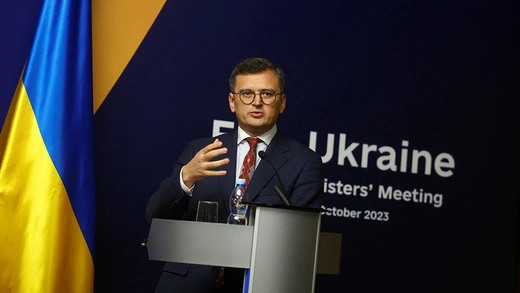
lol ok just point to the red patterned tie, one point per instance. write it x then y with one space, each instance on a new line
248 167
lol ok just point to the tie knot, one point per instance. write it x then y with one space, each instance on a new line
253 141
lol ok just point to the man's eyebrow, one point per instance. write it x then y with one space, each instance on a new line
263 89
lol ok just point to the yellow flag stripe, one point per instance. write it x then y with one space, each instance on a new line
43 249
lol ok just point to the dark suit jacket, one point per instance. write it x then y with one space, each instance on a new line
299 167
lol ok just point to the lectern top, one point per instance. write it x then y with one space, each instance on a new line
279 206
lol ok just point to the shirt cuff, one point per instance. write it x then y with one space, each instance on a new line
188 191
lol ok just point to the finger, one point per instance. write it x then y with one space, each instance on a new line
215 153
214 145
215 173
215 164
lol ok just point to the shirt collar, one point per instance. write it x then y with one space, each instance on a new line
265 137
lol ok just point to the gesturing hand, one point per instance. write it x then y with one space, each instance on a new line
201 165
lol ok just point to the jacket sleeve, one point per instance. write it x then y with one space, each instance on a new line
307 190
170 201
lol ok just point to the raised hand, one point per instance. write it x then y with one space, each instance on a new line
201 166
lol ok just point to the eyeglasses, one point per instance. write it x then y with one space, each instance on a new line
266 96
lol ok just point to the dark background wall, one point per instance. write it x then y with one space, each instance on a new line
442 76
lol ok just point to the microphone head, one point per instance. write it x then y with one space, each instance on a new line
262 154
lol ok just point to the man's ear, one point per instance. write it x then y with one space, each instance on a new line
284 103
231 99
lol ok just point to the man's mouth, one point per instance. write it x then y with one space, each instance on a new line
256 114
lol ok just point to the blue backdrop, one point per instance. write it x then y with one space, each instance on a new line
413 107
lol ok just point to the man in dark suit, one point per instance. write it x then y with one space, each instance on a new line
208 168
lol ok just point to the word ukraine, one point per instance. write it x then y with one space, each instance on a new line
386 157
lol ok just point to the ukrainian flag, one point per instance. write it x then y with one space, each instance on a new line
47 211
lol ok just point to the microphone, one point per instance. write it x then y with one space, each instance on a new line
280 192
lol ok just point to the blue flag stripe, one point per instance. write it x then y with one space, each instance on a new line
58 79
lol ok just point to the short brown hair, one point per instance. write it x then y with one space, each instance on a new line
256 65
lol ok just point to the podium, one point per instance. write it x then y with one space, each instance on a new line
280 248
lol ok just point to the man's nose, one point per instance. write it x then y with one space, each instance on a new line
257 100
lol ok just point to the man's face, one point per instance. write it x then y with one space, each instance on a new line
257 118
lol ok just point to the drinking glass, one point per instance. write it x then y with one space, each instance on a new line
207 211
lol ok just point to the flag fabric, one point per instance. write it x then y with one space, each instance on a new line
47 194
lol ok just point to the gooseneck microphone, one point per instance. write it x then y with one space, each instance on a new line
282 193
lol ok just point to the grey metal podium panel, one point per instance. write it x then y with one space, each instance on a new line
285 251
280 250
200 243
329 253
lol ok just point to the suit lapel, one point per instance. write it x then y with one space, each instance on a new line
278 153
227 182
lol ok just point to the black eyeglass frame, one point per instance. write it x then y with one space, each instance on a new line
254 97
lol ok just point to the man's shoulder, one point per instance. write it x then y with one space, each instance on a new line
293 146
225 137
